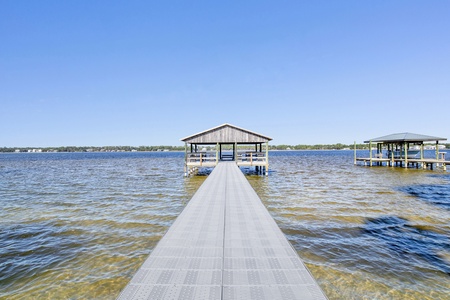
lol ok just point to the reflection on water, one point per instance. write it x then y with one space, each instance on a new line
78 226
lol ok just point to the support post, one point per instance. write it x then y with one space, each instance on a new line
406 155
354 155
437 150
185 160
424 166
267 158
370 153
378 153
392 155
217 153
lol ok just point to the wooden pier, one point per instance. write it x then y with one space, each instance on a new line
400 153
412 163
224 245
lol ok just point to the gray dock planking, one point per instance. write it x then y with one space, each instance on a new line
224 245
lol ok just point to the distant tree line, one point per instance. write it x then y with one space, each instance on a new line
93 149
337 146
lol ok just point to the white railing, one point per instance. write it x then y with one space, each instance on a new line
201 158
252 157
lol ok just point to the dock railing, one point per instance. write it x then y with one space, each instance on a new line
201 159
251 158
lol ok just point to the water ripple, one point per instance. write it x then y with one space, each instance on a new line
78 226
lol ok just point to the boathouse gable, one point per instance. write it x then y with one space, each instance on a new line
226 133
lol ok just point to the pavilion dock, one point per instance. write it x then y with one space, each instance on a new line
226 143
223 245
404 150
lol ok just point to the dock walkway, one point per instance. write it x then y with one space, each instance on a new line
224 245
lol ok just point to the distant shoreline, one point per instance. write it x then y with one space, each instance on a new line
90 149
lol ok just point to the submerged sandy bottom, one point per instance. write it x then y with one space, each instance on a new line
79 225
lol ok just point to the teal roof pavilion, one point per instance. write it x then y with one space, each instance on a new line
405 137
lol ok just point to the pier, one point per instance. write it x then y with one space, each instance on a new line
404 150
224 245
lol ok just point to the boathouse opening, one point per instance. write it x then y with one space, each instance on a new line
226 143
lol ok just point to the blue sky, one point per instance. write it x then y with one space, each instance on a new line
151 72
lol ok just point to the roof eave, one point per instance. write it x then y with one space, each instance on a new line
220 126
405 140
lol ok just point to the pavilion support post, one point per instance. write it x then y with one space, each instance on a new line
424 166
235 151
354 154
437 150
406 155
217 153
267 158
185 160
379 153
392 155
370 153
388 163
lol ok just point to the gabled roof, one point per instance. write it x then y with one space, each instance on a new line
405 137
226 133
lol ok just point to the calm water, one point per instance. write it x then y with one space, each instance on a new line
77 226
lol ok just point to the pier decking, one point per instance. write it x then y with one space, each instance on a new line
417 163
224 245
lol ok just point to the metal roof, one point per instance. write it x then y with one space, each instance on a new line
405 137
226 133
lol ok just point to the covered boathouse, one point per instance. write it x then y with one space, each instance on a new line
226 142
404 149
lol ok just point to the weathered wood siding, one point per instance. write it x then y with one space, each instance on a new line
226 134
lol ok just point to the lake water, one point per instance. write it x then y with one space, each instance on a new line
79 225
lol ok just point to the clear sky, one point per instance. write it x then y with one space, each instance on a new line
96 73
